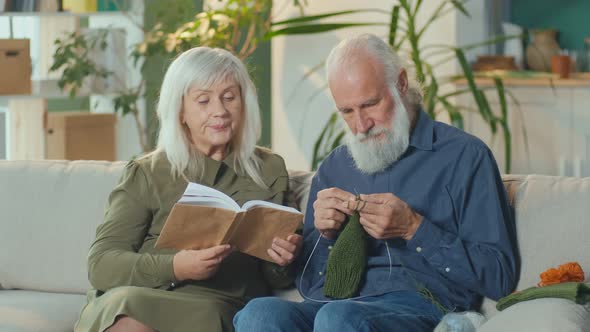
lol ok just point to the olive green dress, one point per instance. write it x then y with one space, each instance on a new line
132 278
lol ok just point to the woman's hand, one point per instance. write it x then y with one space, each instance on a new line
199 264
284 252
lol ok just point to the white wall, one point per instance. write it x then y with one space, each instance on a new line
128 144
297 116
2 134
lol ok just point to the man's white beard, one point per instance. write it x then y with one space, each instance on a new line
373 155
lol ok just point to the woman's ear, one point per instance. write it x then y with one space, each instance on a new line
402 82
181 117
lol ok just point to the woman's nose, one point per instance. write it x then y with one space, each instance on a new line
220 109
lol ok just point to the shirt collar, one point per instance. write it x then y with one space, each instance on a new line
213 167
423 133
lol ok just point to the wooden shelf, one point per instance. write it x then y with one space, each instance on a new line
575 80
59 14
43 89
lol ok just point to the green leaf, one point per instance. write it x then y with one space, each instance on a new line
460 7
431 92
315 28
507 145
393 25
304 19
417 6
482 104
502 97
454 113
504 123
318 155
491 41
338 140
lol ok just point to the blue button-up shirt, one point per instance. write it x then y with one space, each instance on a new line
464 247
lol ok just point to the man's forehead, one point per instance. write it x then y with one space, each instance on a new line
349 93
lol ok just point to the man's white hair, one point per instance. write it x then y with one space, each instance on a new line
347 51
203 67
371 155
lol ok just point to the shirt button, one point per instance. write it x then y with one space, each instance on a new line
330 247
321 273
419 249
447 269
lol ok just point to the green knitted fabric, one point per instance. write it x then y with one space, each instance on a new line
578 292
347 261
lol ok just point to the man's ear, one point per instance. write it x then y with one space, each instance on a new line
402 82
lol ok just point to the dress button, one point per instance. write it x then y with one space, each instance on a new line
447 269
419 249
321 273
330 247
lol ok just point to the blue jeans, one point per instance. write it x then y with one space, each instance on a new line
396 311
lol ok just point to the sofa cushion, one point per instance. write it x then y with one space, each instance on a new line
49 211
541 315
299 183
28 311
552 225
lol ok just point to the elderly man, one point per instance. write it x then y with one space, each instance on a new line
405 222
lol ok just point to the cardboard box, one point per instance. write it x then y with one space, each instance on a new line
80 136
15 67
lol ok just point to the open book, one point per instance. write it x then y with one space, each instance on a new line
205 217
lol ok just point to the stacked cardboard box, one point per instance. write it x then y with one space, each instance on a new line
80 136
15 67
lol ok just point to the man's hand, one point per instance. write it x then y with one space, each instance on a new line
385 216
284 252
199 264
330 210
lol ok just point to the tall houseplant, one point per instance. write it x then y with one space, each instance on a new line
236 25
406 35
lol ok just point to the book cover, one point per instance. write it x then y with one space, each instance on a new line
205 217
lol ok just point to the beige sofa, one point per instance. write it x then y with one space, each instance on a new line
49 211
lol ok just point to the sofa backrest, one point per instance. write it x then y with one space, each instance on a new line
49 211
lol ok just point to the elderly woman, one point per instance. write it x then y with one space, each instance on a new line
210 123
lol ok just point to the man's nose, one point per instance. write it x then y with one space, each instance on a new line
363 123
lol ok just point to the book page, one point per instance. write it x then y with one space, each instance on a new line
198 194
206 201
256 203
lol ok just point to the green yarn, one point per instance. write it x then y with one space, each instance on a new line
347 261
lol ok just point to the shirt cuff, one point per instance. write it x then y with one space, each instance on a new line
427 240
166 272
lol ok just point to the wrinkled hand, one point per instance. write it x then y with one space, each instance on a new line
284 252
330 210
199 264
385 216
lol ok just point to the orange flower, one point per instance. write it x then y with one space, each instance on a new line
564 273
550 277
572 271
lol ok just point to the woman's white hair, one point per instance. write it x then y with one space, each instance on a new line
203 67
345 52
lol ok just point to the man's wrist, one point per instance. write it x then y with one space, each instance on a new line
416 221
